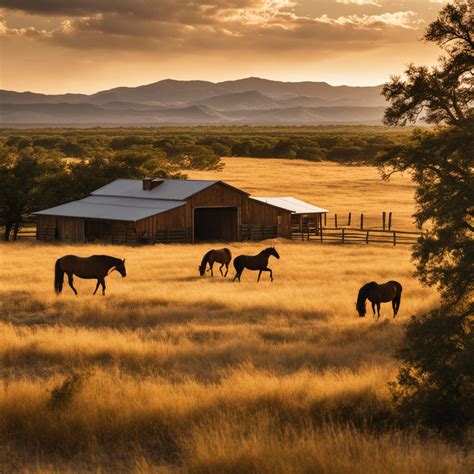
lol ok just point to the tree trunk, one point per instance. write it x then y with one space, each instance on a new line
6 235
16 229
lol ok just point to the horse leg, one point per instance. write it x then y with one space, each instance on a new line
373 309
102 282
71 282
210 268
226 269
96 286
220 269
259 273
237 276
378 311
271 273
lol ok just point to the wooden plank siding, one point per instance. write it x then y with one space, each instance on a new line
46 228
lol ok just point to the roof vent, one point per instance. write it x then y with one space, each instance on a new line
150 183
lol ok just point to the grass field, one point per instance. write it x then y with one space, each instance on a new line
340 189
171 372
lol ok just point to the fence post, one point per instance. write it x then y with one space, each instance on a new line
325 218
362 222
384 217
390 220
367 237
343 235
394 238
335 221
321 234
349 219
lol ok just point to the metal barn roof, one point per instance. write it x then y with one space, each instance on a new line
174 189
296 206
113 208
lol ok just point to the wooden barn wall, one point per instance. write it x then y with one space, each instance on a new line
70 229
258 213
46 228
173 219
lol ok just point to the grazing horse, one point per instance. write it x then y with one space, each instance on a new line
255 262
222 256
97 266
376 294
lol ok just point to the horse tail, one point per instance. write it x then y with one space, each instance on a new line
228 252
398 295
58 276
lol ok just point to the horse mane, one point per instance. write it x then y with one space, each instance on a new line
362 296
206 258
265 251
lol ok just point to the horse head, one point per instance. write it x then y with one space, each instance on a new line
202 270
120 267
361 309
272 251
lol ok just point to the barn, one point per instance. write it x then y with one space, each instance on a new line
152 210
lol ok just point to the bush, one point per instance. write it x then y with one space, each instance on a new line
436 381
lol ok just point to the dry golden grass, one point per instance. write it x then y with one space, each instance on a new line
171 372
338 188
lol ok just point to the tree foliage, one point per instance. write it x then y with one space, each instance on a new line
436 380
443 93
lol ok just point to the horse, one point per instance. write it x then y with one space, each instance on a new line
222 256
255 262
376 294
97 266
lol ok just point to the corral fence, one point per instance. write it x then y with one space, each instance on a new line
349 235
349 230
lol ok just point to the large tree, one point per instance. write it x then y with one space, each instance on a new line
436 382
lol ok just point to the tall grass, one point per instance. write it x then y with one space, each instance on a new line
171 372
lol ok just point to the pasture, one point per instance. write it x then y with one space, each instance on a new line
173 372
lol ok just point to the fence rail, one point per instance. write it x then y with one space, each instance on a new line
349 235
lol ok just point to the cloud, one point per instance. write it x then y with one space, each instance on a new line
174 26
360 2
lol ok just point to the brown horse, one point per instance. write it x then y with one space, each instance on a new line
376 294
222 256
255 262
97 266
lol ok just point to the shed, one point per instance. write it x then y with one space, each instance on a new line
306 219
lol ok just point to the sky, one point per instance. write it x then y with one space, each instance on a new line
58 46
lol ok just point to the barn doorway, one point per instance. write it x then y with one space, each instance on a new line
98 230
215 224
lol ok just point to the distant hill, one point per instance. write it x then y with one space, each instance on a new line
245 101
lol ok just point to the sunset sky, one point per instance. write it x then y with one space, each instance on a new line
57 46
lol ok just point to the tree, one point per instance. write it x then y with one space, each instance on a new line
435 383
19 172
444 93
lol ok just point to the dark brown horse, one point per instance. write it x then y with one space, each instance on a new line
97 266
376 294
255 262
222 256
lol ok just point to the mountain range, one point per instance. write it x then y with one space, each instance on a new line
250 101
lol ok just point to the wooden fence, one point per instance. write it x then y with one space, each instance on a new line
349 235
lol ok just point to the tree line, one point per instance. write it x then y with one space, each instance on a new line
207 144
